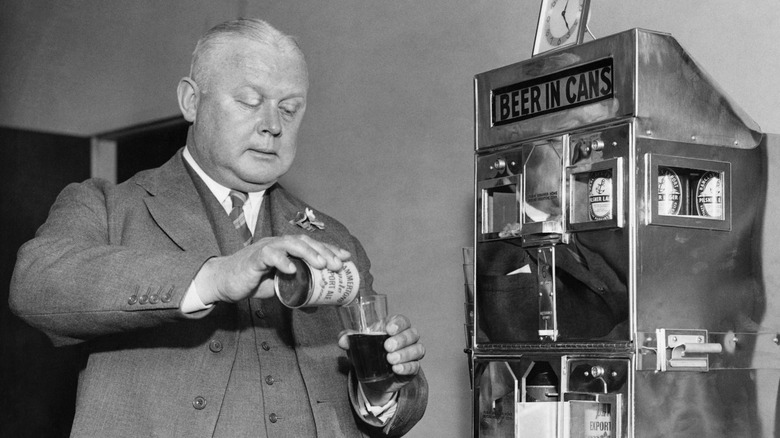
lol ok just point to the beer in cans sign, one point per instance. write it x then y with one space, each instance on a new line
566 89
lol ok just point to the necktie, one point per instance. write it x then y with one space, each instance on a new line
237 216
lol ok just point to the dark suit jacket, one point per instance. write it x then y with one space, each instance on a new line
111 265
595 303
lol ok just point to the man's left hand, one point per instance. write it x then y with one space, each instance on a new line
404 352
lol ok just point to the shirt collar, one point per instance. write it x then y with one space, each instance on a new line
221 192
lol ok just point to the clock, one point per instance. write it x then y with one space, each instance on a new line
561 23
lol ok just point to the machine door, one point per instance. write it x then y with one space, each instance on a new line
552 245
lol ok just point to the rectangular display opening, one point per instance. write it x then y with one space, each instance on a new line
684 191
501 208
688 192
596 195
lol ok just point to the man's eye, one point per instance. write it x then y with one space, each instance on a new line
250 103
288 111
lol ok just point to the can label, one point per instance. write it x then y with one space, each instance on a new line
669 192
709 197
590 419
598 421
600 195
311 287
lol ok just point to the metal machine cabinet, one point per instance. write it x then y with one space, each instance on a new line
618 200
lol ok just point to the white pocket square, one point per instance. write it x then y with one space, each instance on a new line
524 270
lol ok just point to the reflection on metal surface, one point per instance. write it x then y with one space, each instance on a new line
543 163
498 395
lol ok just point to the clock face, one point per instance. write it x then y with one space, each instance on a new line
561 23
562 20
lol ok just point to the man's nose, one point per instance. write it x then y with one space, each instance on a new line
269 121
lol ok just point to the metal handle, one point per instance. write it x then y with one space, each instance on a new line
685 350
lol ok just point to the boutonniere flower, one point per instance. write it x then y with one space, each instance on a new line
307 220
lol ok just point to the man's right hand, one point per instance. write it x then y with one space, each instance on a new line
250 271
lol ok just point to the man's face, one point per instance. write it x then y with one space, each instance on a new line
248 114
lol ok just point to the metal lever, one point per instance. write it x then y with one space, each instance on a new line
685 350
693 355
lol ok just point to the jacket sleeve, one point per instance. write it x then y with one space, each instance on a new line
412 402
74 284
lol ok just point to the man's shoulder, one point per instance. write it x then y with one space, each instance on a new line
169 176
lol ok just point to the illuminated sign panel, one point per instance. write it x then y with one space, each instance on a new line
560 91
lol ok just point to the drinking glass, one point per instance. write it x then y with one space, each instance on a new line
365 319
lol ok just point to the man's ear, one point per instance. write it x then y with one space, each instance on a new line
188 94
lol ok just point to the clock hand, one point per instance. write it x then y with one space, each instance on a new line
563 14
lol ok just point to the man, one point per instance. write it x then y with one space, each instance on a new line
173 296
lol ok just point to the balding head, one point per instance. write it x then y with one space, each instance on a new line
208 47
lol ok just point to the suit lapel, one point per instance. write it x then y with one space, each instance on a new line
279 211
283 208
177 208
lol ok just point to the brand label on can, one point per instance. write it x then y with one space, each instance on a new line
600 195
310 287
709 197
669 192
598 421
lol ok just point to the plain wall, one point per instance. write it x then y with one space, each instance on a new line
387 143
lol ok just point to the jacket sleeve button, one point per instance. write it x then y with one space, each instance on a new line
143 299
273 418
132 299
215 346
199 403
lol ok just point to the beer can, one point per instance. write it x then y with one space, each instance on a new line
600 195
709 196
311 287
669 192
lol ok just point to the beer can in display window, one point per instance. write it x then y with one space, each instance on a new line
600 195
311 287
669 192
709 196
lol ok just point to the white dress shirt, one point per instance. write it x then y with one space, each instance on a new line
192 302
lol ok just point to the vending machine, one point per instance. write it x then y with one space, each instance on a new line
617 284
